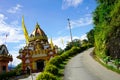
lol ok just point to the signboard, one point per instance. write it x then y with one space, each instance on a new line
39 55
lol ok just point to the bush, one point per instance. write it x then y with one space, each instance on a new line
7 75
46 76
52 69
117 63
63 56
73 51
56 60
106 59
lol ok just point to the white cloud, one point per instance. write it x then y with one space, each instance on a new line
20 46
2 18
13 32
14 9
14 35
15 61
62 41
58 41
70 3
83 21
84 36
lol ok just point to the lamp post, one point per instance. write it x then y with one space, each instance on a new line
70 28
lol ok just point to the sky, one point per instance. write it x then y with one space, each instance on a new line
52 17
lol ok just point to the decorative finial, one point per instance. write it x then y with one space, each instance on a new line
37 25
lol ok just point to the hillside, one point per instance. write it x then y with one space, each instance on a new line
107 28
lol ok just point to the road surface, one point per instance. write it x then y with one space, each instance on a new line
84 67
31 77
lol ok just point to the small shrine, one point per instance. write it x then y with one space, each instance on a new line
5 58
38 50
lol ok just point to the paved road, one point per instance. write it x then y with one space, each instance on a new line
84 67
31 77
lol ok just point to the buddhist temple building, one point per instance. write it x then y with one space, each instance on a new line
38 51
5 58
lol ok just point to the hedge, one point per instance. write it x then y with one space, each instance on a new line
46 76
56 60
51 69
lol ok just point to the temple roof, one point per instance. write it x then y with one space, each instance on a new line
3 49
38 34
4 54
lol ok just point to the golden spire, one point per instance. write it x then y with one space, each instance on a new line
25 31
38 34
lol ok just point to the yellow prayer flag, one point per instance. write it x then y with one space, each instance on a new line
25 31
51 43
62 42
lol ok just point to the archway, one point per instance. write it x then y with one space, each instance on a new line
40 65
4 69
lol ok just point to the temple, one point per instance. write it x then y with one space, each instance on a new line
5 58
38 50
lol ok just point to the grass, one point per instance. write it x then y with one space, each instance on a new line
107 66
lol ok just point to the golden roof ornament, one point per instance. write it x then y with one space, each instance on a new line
38 34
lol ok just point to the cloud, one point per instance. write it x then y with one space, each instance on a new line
62 41
84 36
80 22
83 21
20 46
15 61
2 18
14 9
70 3
11 32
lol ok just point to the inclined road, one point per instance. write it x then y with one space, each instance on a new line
84 67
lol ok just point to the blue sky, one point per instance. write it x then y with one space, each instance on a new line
52 17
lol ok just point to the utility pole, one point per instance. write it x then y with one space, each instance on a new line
70 28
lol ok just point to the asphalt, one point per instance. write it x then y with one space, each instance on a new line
84 67
31 77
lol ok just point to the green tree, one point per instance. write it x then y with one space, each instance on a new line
18 69
90 36
75 42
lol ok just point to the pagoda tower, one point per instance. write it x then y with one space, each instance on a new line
5 58
37 52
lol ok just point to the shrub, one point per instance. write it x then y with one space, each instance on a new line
65 55
52 69
106 59
117 63
46 76
73 51
7 75
56 60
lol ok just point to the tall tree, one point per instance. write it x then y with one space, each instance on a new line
90 36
